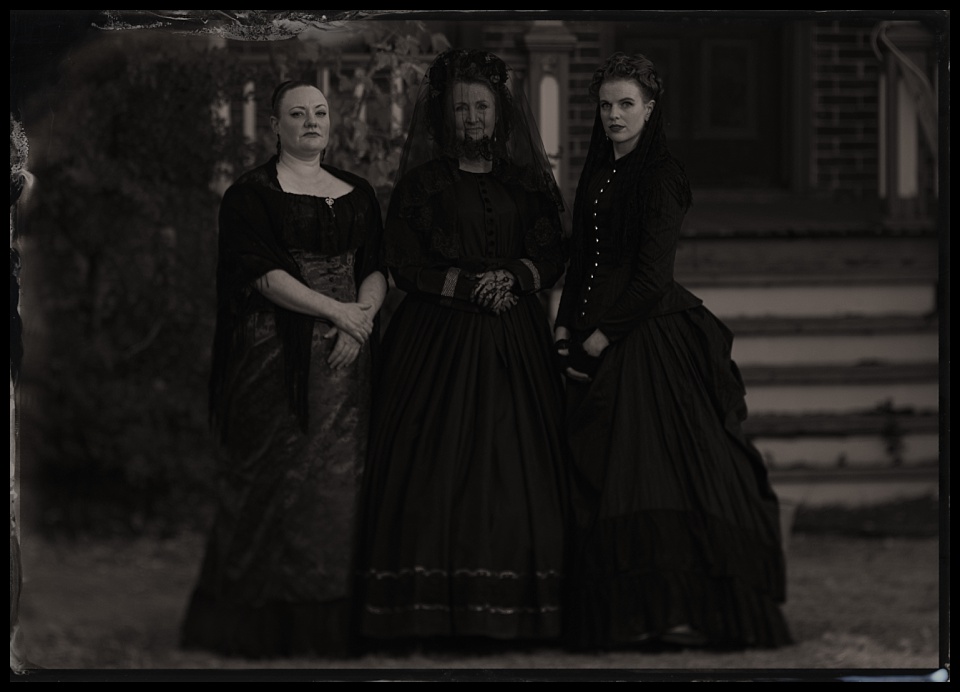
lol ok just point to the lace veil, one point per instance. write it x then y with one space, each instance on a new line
515 147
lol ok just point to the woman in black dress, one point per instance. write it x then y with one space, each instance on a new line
299 284
677 533
465 490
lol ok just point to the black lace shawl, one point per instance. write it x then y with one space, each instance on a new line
249 246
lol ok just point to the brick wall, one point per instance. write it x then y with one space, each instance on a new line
844 104
587 56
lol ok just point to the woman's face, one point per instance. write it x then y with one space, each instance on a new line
623 112
303 122
474 110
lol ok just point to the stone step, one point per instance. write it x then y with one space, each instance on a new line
765 256
850 451
842 389
839 349
842 398
853 486
848 326
858 374
828 425
864 440
817 301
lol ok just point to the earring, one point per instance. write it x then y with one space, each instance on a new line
323 155
278 145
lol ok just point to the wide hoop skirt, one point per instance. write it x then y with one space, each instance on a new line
465 491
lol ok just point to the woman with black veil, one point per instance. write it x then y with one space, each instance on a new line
465 489
677 533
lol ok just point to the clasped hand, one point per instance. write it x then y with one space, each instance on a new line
593 346
353 325
494 291
355 319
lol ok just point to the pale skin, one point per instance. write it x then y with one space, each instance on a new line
623 111
474 109
303 127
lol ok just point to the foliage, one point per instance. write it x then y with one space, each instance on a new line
131 152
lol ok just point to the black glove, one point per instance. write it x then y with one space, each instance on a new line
581 361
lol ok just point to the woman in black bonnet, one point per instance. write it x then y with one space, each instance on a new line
465 489
677 535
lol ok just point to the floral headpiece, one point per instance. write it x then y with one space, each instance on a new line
459 65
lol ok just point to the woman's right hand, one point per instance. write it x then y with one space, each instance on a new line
345 350
355 319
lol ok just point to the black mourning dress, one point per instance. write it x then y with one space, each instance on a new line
465 490
277 577
677 525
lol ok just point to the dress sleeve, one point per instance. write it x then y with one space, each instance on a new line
446 282
417 265
542 263
653 264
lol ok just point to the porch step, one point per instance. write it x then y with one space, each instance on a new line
829 425
768 256
853 487
842 389
911 340
836 349
835 300
858 325
876 439
858 374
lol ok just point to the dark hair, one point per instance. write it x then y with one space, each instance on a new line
471 67
649 168
282 88
637 68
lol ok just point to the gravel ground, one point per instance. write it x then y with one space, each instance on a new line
864 600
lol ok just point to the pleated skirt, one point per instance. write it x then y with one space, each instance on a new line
465 494
676 524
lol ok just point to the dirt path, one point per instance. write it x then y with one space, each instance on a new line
854 603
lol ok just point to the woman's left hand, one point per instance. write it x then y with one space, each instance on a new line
596 343
345 351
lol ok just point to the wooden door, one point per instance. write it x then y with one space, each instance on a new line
724 97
